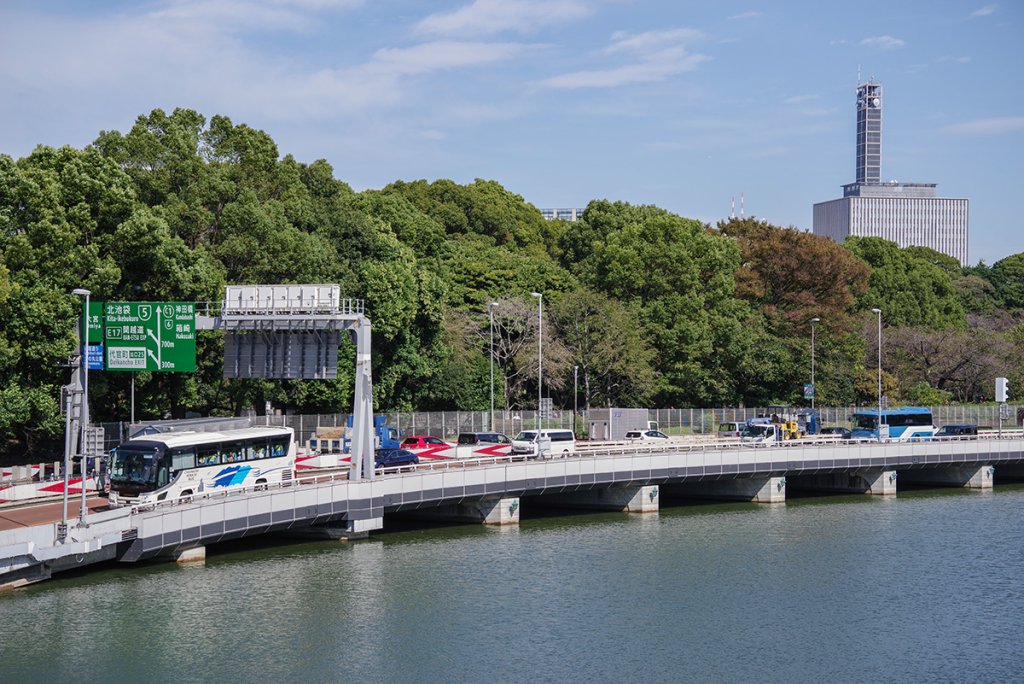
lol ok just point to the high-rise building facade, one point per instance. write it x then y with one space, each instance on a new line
906 213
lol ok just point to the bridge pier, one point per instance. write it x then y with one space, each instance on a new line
972 476
626 498
876 481
491 510
757 489
195 554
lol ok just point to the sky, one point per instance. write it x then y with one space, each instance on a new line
685 105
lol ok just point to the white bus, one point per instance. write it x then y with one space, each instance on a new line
170 465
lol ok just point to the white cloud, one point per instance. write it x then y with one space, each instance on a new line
992 126
487 17
657 55
651 40
886 42
958 60
228 15
800 99
436 56
985 11
746 15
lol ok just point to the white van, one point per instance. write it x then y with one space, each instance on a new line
551 444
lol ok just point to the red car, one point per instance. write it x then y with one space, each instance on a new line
428 447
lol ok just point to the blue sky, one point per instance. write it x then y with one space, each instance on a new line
685 105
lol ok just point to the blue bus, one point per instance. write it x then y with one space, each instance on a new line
902 424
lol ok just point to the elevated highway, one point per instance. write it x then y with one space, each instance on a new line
625 477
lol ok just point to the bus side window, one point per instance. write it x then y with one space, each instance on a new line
258 449
208 454
278 447
183 458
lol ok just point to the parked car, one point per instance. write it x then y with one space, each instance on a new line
646 436
482 445
841 432
730 430
394 458
422 442
956 430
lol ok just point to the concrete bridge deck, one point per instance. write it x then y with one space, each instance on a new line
489 490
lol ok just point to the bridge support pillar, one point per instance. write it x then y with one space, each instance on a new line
626 498
874 481
969 476
757 489
491 510
196 554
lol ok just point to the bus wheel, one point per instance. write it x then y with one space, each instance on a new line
261 485
186 496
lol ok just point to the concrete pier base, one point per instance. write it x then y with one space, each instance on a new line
875 481
489 511
968 476
757 489
197 554
630 499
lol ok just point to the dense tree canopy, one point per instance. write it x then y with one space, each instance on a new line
646 306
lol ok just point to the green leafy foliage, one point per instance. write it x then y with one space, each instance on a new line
651 308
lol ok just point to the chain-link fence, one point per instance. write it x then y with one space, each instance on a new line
686 421
706 420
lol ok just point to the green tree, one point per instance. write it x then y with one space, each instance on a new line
1008 278
604 340
908 288
677 278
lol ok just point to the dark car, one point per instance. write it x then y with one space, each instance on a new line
841 432
394 458
956 430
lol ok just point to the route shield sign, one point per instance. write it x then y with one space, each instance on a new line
151 336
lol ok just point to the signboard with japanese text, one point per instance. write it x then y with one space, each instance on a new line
150 336
94 355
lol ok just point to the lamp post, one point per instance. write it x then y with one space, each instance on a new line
814 388
540 362
490 312
575 395
879 426
83 364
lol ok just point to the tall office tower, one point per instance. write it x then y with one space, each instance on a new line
906 213
869 133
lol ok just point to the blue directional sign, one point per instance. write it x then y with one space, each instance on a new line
94 356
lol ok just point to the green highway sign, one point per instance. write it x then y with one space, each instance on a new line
150 336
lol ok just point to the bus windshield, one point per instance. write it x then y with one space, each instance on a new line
134 464
865 421
755 431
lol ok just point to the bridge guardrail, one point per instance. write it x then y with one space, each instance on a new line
617 450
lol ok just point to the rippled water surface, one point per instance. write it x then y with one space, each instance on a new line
928 586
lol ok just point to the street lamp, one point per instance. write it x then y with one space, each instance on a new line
83 364
540 363
490 311
879 312
575 395
814 388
